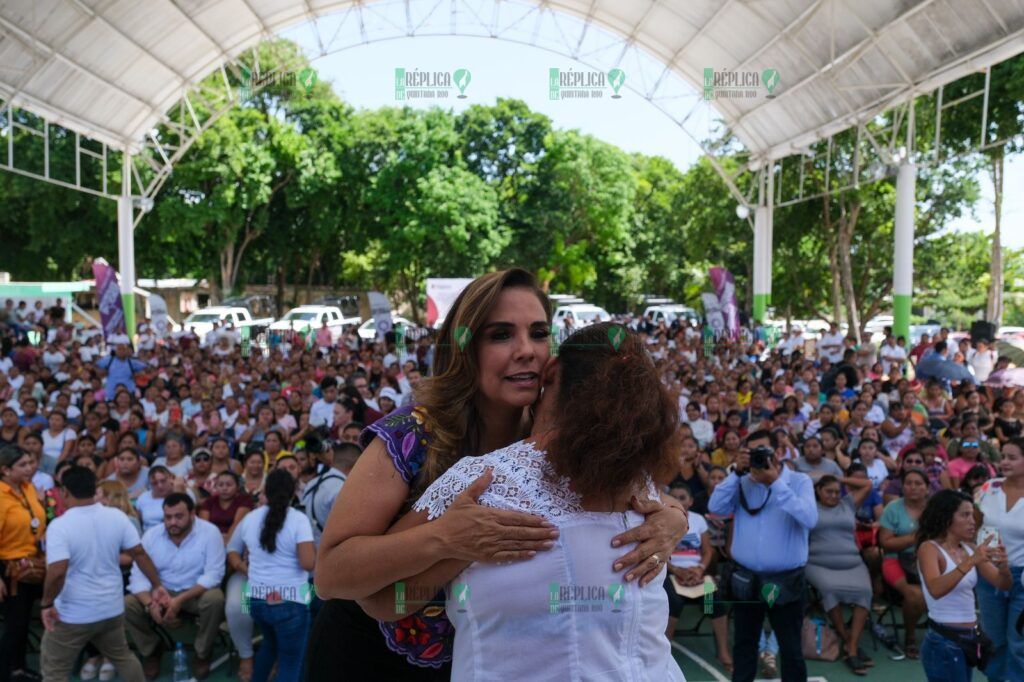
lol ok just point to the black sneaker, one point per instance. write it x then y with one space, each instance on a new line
25 675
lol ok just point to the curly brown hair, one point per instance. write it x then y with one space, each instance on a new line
447 397
616 423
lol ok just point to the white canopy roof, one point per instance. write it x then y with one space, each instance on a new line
110 69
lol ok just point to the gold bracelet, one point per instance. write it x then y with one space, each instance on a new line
962 571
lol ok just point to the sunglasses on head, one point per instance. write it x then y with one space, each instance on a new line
197 458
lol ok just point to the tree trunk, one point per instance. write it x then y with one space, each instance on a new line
411 293
847 224
227 269
279 296
994 308
837 287
313 263
215 289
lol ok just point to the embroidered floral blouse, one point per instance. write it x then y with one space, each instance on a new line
425 636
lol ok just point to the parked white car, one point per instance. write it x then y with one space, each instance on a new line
307 317
202 321
368 329
583 315
670 312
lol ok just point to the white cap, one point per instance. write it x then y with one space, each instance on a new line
389 392
119 339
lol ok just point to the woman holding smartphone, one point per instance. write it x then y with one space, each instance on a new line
950 565
1001 514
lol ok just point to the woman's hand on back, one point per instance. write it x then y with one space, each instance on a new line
472 532
662 529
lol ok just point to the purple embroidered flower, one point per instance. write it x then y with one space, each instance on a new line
405 438
409 443
425 641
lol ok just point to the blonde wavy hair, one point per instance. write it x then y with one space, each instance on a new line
447 397
115 494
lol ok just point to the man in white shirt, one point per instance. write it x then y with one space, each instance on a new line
322 412
831 345
893 356
189 556
82 597
794 343
210 338
320 493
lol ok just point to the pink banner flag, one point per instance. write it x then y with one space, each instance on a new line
725 290
108 297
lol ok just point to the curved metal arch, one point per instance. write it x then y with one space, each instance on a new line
185 122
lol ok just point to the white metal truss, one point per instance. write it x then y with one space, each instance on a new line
575 29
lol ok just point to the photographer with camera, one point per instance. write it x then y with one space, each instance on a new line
774 511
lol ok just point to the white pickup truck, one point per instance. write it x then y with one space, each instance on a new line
202 321
304 317
670 312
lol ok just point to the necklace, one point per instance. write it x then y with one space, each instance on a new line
23 501
956 553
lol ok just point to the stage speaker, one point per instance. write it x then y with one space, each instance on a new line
980 329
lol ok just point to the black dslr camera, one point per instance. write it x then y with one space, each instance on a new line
761 457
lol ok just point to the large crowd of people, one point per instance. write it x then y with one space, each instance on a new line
776 487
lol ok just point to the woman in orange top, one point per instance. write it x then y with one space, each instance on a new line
22 524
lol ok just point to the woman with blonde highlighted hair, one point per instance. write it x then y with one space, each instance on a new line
486 377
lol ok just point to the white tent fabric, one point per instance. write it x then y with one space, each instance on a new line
109 69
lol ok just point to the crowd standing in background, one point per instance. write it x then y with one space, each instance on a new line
210 470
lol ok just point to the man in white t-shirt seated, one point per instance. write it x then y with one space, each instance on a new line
189 556
83 598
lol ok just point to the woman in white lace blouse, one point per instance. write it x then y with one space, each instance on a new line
603 433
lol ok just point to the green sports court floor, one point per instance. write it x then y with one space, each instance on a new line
695 654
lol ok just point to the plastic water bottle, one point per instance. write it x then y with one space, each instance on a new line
181 664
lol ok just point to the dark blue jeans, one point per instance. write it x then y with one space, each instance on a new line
943 659
999 612
284 626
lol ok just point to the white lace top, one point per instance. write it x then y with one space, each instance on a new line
563 615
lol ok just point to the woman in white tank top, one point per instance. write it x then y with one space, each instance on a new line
949 565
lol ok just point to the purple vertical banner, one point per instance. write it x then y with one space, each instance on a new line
725 289
108 298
